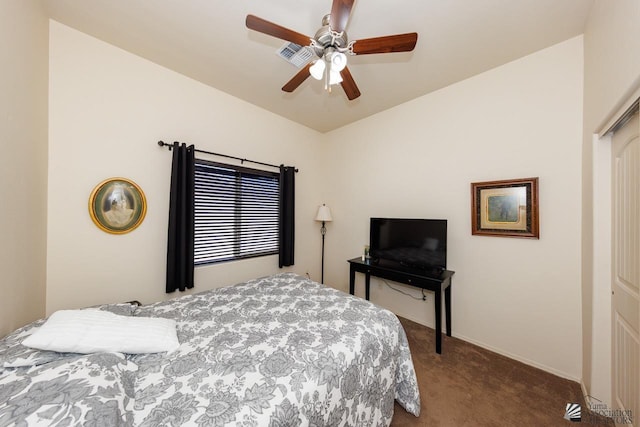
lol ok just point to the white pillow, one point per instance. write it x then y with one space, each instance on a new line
94 331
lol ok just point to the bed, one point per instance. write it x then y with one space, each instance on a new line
276 351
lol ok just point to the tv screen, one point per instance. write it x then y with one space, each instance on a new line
417 243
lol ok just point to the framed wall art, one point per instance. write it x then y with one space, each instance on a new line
117 205
506 208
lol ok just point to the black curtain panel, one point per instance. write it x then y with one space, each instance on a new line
181 219
287 215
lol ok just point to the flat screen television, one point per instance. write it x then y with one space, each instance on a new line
414 243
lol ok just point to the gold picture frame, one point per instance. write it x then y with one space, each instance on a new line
507 208
117 205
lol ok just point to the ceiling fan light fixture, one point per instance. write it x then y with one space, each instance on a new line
334 77
317 69
329 45
338 61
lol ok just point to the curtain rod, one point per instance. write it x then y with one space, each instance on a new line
164 144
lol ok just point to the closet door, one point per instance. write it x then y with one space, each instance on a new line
626 270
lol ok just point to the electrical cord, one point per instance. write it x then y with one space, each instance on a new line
424 297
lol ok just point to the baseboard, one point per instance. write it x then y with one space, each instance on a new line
585 394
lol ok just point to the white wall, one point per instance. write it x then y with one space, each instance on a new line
108 109
612 72
519 297
23 162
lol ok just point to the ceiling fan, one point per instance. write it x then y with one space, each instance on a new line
331 45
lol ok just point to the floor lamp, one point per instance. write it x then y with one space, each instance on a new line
324 215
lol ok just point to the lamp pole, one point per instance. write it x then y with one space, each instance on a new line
323 231
323 216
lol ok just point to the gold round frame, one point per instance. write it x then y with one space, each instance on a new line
117 205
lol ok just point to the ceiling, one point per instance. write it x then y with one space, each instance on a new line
207 40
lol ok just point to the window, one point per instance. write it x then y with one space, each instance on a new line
236 212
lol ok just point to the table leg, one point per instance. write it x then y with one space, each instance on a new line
367 286
438 308
352 280
447 308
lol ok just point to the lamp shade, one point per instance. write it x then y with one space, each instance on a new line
338 61
324 214
334 77
317 69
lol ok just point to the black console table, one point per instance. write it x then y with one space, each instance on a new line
437 282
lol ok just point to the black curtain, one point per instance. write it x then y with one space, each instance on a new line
181 219
287 215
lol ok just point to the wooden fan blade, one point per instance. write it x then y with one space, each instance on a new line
349 85
275 30
297 80
386 44
340 13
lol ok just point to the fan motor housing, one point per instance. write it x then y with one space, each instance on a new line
325 37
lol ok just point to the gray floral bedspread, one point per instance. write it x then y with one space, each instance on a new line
277 351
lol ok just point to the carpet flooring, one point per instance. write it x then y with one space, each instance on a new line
469 386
